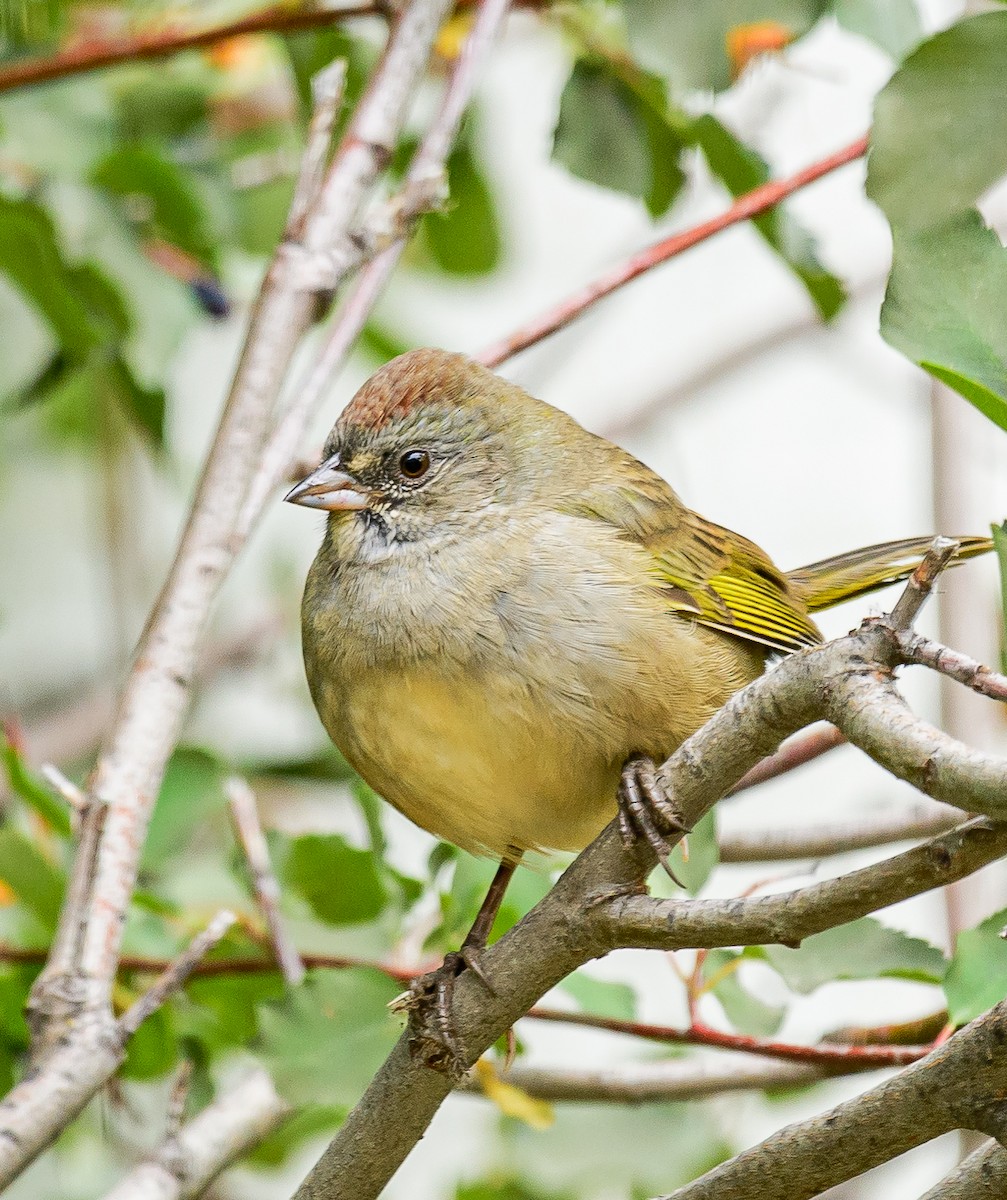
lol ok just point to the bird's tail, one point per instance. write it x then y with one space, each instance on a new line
833 580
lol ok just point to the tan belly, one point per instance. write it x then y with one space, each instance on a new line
473 762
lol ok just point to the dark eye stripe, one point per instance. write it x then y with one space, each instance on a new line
414 463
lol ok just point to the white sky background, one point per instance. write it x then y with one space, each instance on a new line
808 439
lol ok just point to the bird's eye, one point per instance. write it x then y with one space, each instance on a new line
414 463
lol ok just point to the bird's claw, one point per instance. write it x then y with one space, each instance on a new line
645 811
433 1036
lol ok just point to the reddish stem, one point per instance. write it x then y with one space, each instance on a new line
868 1057
795 752
757 201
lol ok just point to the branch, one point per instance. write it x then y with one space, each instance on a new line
92 56
776 844
958 1086
794 753
954 664
644 1083
827 1055
70 1004
413 198
245 819
981 1176
786 919
757 201
189 1161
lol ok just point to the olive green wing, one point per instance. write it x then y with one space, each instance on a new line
707 573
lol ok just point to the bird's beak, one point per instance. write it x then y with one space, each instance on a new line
329 488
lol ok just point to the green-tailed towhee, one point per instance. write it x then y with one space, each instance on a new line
505 607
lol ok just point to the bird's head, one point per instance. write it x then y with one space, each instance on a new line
430 446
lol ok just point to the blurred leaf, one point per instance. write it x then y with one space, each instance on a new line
611 135
465 238
311 50
469 885
325 1041
146 406
232 1003
511 1100
153 1050
142 174
382 343
977 976
894 25
688 42
747 1012
33 790
740 169
169 102
191 791
277 1147
863 949
30 875
601 997
369 803
342 885
505 1189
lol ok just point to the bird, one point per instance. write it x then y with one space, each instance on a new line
510 619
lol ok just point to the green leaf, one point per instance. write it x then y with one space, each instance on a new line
505 1189
153 1050
469 885
229 1007
747 1012
863 949
169 102
30 875
611 135
939 138
32 790
740 169
327 1039
943 308
145 405
601 997
894 25
465 238
176 211
977 977
342 885
1000 545
190 793
687 42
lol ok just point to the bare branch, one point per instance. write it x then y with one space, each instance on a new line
225 1130
957 666
245 819
786 919
981 1176
657 1082
827 1055
414 197
65 788
795 752
958 1086
95 56
743 209
176 975
327 95
921 582
779 843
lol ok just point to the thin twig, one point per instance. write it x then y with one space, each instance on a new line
245 819
427 164
757 201
327 95
176 975
921 582
94 56
825 1055
650 1083
794 752
957 666
65 788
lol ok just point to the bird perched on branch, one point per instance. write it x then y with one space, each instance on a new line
510 619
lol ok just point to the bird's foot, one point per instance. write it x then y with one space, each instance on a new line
646 811
433 1036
